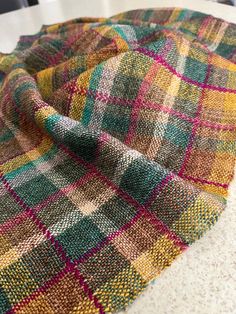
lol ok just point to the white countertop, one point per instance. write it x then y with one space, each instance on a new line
29 20
203 279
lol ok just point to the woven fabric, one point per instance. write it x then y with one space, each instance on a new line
117 146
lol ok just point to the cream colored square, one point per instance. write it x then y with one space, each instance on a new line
85 197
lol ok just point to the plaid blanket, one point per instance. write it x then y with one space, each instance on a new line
117 146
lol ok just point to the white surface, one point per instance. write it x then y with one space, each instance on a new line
203 279
29 20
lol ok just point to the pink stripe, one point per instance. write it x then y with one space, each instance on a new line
39 224
53 281
159 59
158 189
11 223
47 285
53 60
18 219
203 26
140 212
133 122
197 180
72 90
145 85
88 291
119 191
58 247
137 105
147 104
195 126
107 240
64 191
102 140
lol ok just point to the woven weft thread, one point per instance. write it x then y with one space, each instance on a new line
117 149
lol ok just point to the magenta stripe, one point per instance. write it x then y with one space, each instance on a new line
63 191
107 240
19 218
54 60
58 247
16 220
88 291
158 189
118 190
195 126
140 212
72 90
138 103
159 59
29 212
197 180
150 105
47 285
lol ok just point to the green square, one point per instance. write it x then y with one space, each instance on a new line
82 142
81 237
195 70
126 86
141 177
116 121
225 50
17 282
8 207
176 136
105 218
36 190
99 273
4 302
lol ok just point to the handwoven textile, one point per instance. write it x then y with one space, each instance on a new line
117 147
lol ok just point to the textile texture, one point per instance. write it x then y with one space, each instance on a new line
117 146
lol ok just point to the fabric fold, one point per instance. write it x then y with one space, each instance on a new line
117 147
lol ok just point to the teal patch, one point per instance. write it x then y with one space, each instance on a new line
84 144
225 50
81 237
141 178
51 121
177 136
6 136
36 190
31 164
4 302
195 70
116 120
93 85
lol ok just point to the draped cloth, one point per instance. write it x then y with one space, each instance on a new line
117 147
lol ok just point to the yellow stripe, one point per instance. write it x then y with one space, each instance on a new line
190 227
78 100
44 80
42 114
8 258
31 155
161 255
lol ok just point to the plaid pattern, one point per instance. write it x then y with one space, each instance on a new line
117 149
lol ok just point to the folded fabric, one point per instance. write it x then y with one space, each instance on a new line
117 147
